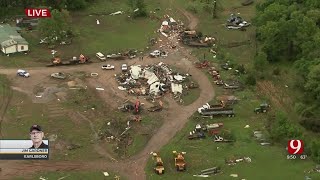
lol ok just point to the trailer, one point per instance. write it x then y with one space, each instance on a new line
218 112
216 106
74 61
211 107
231 86
197 44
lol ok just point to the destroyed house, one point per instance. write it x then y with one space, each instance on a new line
173 23
11 41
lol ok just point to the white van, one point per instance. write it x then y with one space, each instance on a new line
100 56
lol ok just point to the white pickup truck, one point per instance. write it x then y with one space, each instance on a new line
124 67
107 67
23 73
100 56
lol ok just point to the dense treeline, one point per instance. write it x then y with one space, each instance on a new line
288 30
56 4
6 6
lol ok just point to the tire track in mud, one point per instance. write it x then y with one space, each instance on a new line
133 168
100 150
7 94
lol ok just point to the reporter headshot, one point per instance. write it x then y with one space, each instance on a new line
36 136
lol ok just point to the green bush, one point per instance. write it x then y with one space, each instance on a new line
241 69
276 71
260 61
251 80
142 12
312 124
315 151
76 4
282 129
138 4
207 8
299 107
192 7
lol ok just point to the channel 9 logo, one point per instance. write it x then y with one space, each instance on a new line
295 149
295 146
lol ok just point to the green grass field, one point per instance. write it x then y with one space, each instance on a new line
268 162
114 34
75 175
4 83
203 154
192 95
22 113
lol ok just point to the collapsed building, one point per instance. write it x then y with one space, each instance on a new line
168 25
153 80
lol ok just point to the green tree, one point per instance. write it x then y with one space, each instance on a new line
273 12
282 129
55 28
314 14
303 66
140 5
76 4
285 31
315 151
251 79
132 4
313 3
313 82
260 61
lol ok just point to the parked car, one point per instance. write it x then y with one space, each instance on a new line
101 56
107 67
23 73
124 67
58 75
158 53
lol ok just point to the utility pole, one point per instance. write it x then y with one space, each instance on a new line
214 9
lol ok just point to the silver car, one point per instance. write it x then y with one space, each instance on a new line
59 75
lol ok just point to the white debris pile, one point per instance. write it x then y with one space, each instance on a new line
169 25
234 161
116 13
170 29
154 80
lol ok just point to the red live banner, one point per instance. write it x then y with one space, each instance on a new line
37 12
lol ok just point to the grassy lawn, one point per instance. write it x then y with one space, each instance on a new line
115 33
139 134
191 96
143 132
4 82
203 154
215 28
75 175
22 113
138 144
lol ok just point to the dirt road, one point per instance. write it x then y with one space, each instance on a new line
193 21
133 168
175 121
